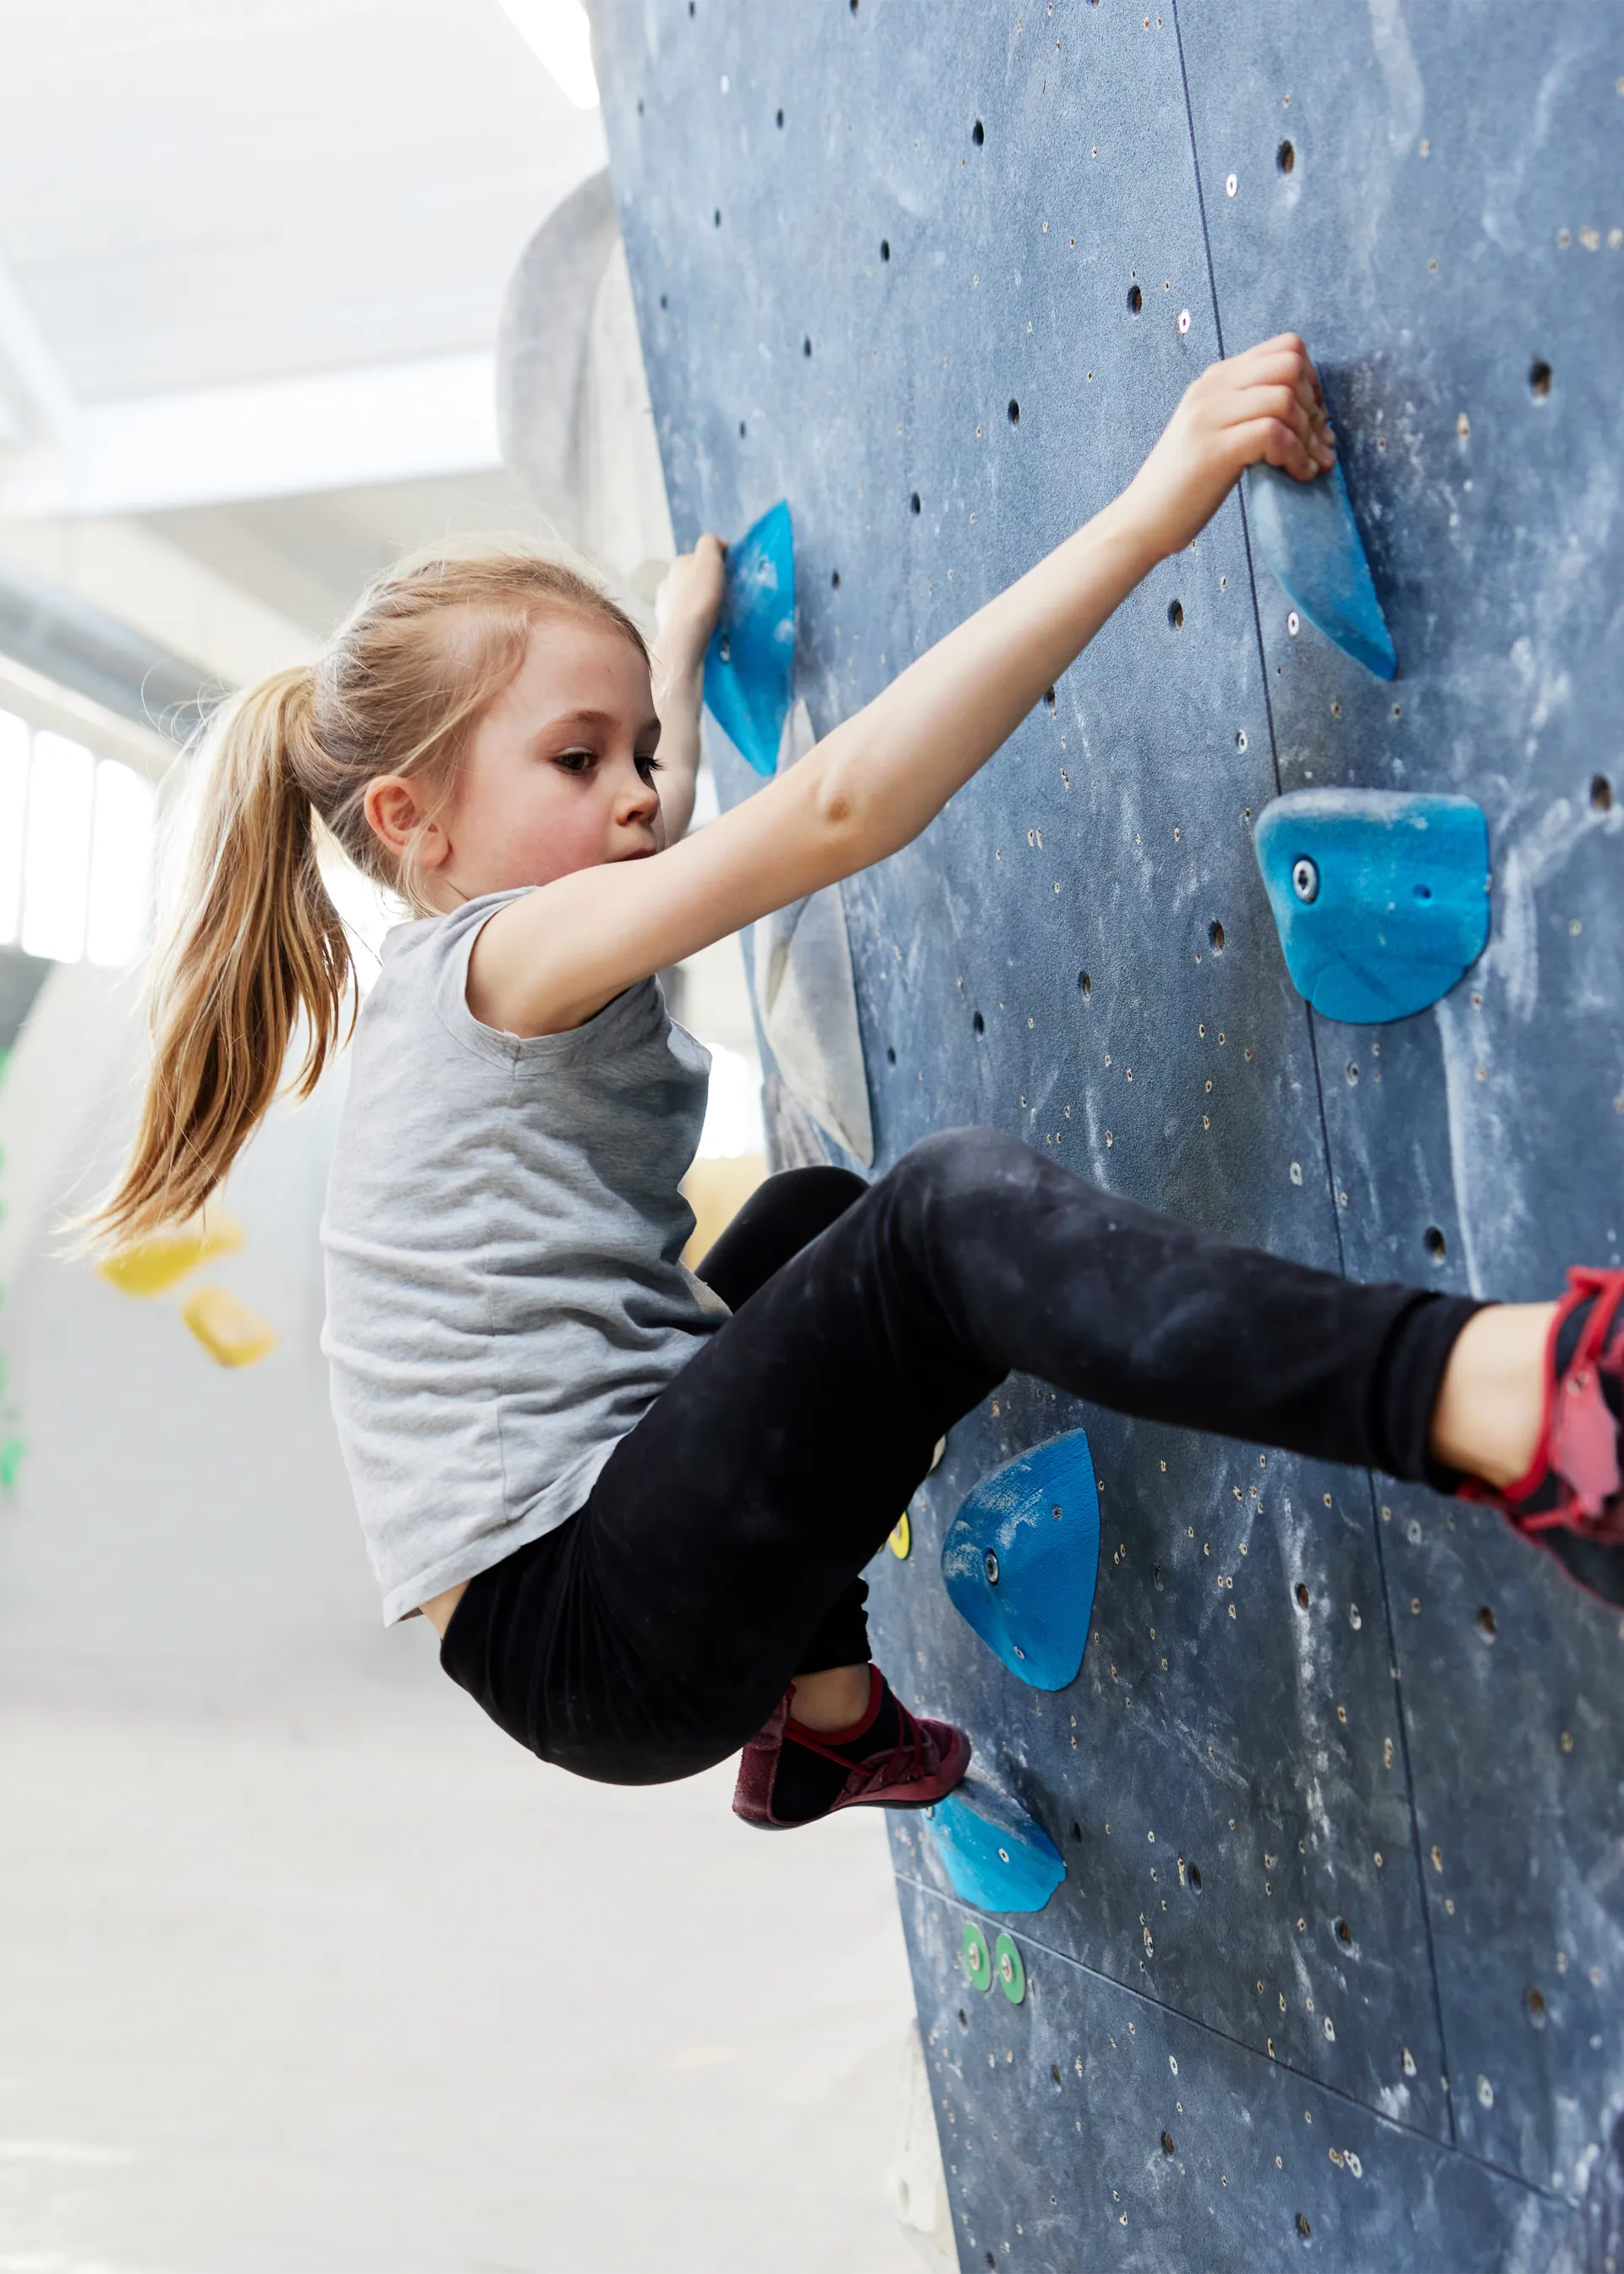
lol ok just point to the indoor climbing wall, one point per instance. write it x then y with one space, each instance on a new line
1337 1960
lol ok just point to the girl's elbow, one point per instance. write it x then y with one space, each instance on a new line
845 818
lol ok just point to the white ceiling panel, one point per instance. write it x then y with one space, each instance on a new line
196 192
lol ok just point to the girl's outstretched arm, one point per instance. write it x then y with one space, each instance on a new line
551 960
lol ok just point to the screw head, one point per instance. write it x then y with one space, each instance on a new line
1306 879
991 1561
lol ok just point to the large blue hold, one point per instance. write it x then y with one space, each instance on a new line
995 1856
1021 1557
1307 533
750 663
1380 897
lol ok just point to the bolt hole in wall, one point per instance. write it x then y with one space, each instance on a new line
1214 933
76 848
1436 1245
978 134
1014 412
1302 1596
1539 379
1084 985
1136 299
978 1025
1176 614
885 248
1285 158
1601 793
914 503
1487 1624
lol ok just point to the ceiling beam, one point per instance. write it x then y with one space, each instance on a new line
280 438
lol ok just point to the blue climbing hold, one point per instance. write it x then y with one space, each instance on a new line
750 663
1307 533
1380 897
992 1853
1021 1557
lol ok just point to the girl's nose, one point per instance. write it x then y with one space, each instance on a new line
639 801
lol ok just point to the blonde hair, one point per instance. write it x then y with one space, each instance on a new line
259 945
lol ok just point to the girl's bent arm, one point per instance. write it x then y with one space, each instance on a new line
551 960
687 610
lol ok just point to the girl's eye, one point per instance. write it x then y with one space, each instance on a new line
648 767
576 761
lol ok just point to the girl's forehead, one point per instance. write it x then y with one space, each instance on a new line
570 648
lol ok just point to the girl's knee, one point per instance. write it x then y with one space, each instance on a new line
955 1162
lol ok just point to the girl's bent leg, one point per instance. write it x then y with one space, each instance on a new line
783 1214
751 1494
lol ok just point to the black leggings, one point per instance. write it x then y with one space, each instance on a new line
653 1633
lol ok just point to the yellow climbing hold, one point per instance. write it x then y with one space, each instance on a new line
901 1538
153 1265
227 1330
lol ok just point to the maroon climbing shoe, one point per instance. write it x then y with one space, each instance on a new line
790 1775
1571 1502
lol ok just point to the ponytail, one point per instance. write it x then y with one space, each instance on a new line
259 946
259 950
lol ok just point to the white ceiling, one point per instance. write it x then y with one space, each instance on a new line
196 193
252 254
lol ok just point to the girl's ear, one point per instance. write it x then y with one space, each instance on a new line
396 819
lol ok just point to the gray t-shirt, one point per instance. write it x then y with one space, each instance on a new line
503 1235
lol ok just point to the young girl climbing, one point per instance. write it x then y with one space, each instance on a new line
636 1503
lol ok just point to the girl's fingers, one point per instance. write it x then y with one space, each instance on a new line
1284 359
1275 442
1286 404
1276 400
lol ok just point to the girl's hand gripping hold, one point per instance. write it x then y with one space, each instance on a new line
1266 405
552 959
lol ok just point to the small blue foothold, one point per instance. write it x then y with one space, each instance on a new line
1021 1557
750 663
1380 897
1307 533
994 1854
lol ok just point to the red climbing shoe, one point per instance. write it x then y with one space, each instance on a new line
790 1775
1571 1502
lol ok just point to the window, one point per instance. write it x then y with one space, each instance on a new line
13 805
76 848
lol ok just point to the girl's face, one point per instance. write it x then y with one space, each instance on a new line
560 773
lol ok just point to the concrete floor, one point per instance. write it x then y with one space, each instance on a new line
359 1988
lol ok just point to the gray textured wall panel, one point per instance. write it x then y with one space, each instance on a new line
1086 2127
842 309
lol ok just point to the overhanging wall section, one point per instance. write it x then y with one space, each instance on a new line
938 278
